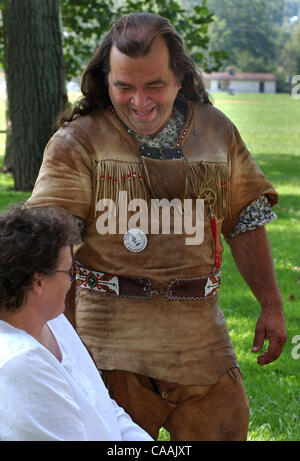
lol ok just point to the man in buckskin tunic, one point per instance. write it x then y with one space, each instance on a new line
147 302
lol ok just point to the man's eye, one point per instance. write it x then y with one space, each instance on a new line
157 86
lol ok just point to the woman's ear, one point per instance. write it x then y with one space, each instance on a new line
37 284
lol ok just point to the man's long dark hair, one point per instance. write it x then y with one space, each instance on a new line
133 35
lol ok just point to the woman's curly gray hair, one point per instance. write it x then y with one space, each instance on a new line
30 242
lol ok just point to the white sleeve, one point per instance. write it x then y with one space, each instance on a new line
129 430
37 403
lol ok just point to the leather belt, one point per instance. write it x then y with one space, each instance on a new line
195 288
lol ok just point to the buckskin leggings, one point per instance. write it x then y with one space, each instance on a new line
189 413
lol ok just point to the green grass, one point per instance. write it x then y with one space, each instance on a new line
270 126
8 196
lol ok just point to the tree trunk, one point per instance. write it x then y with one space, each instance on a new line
35 82
8 161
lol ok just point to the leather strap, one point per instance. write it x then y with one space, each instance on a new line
163 153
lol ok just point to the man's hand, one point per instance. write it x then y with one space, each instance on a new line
271 326
253 258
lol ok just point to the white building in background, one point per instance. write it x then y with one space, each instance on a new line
240 82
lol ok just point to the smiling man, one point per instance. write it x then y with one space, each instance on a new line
143 89
147 307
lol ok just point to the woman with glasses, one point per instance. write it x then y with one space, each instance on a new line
50 388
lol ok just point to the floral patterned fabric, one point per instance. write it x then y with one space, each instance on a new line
258 214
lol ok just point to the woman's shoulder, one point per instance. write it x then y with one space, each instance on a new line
14 343
61 327
67 337
19 351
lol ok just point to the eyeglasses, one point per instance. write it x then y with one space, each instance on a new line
72 273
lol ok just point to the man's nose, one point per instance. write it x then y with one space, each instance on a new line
140 98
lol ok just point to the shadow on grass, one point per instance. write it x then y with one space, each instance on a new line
279 166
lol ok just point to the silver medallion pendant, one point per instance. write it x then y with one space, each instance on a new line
135 240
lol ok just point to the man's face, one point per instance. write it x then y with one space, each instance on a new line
143 89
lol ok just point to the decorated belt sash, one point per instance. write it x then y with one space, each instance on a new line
194 288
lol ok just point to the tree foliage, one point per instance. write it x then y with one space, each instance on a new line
86 22
247 31
257 35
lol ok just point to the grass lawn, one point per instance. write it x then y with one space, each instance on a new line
270 126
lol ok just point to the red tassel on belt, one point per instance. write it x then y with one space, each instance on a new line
213 227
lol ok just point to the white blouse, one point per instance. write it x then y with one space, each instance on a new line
44 399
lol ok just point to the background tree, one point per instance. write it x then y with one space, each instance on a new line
291 8
290 54
35 82
295 69
247 31
288 46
